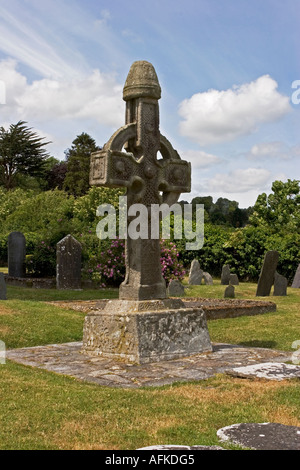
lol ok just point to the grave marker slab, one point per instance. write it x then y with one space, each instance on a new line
280 285
68 263
225 276
2 287
195 274
175 288
16 254
267 274
296 281
262 436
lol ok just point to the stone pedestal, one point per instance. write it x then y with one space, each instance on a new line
146 331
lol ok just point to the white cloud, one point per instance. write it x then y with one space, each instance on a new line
273 150
97 96
239 181
218 116
200 159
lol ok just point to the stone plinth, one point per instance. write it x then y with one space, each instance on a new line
146 331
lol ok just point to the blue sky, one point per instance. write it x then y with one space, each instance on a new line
226 68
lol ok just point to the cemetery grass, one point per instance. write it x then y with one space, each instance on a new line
43 410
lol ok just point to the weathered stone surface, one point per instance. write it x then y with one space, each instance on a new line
16 254
68 359
179 447
68 263
280 285
267 274
175 288
229 292
262 436
147 181
225 276
195 274
268 371
296 280
233 280
208 280
149 331
2 287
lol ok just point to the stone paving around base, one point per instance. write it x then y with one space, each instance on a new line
68 359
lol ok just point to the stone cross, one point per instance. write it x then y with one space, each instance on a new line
148 179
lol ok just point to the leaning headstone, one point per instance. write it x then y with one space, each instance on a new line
16 254
296 281
267 274
2 287
233 280
280 284
195 274
175 288
225 276
68 263
229 292
208 280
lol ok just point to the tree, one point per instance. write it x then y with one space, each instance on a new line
280 211
22 152
78 164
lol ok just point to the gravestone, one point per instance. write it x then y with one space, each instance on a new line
225 276
267 274
296 280
280 285
16 254
195 274
68 263
175 288
2 287
229 292
143 325
262 436
233 280
208 280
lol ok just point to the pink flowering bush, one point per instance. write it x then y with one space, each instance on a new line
172 267
107 265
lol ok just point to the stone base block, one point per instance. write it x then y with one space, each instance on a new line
146 331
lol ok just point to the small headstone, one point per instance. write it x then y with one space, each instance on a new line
2 287
267 274
229 292
208 280
225 276
68 259
233 280
280 285
195 274
175 288
262 436
296 281
16 254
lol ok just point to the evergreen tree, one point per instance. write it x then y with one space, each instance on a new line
21 153
78 164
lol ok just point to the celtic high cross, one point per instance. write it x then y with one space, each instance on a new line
148 180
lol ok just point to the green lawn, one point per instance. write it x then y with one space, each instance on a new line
43 410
